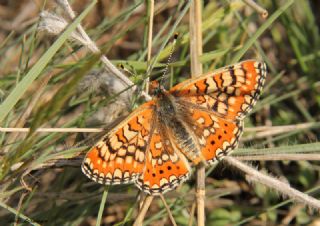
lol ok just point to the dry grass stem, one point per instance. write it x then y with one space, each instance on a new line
144 208
253 175
55 24
150 35
263 12
195 38
266 131
268 122
109 67
294 211
195 26
53 130
168 210
20 204
280 157
281 128
261 131
192 211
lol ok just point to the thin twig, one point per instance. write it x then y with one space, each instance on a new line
145 206
54 130
62 161
21 199
168 210
279 157
149 46
195 26
282 128
150 35
200 194
193 210
95 49
262 131
268 122
265 131
293 212
254 175
195 38
263 12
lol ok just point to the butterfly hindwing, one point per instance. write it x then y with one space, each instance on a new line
217 137
119 156
165 167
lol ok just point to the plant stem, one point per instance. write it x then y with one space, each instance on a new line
196 70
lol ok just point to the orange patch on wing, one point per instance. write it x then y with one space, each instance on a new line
164 170
115 159
224 140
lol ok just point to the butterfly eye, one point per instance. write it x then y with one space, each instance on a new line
154 87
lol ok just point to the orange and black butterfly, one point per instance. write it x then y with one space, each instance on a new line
199 120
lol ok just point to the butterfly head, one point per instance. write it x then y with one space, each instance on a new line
156 89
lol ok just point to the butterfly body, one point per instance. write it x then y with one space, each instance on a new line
199 120
171 117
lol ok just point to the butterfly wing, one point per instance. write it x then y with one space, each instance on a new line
230 92
119 157
216 103
140 150
216 136
165 167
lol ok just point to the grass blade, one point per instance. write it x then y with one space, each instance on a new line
259 32
35 71
102 204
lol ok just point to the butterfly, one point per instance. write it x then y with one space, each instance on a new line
197 121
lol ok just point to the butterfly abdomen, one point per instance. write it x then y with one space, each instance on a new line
168 114
186 142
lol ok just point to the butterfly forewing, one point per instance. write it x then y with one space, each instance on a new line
230 92
119 157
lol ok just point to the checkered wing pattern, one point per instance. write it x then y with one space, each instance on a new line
216 104
119 157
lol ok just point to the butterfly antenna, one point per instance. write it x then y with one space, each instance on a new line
165 70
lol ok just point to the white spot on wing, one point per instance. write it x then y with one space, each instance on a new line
158 145
163 181
206 132
200 120
232 100
117 173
